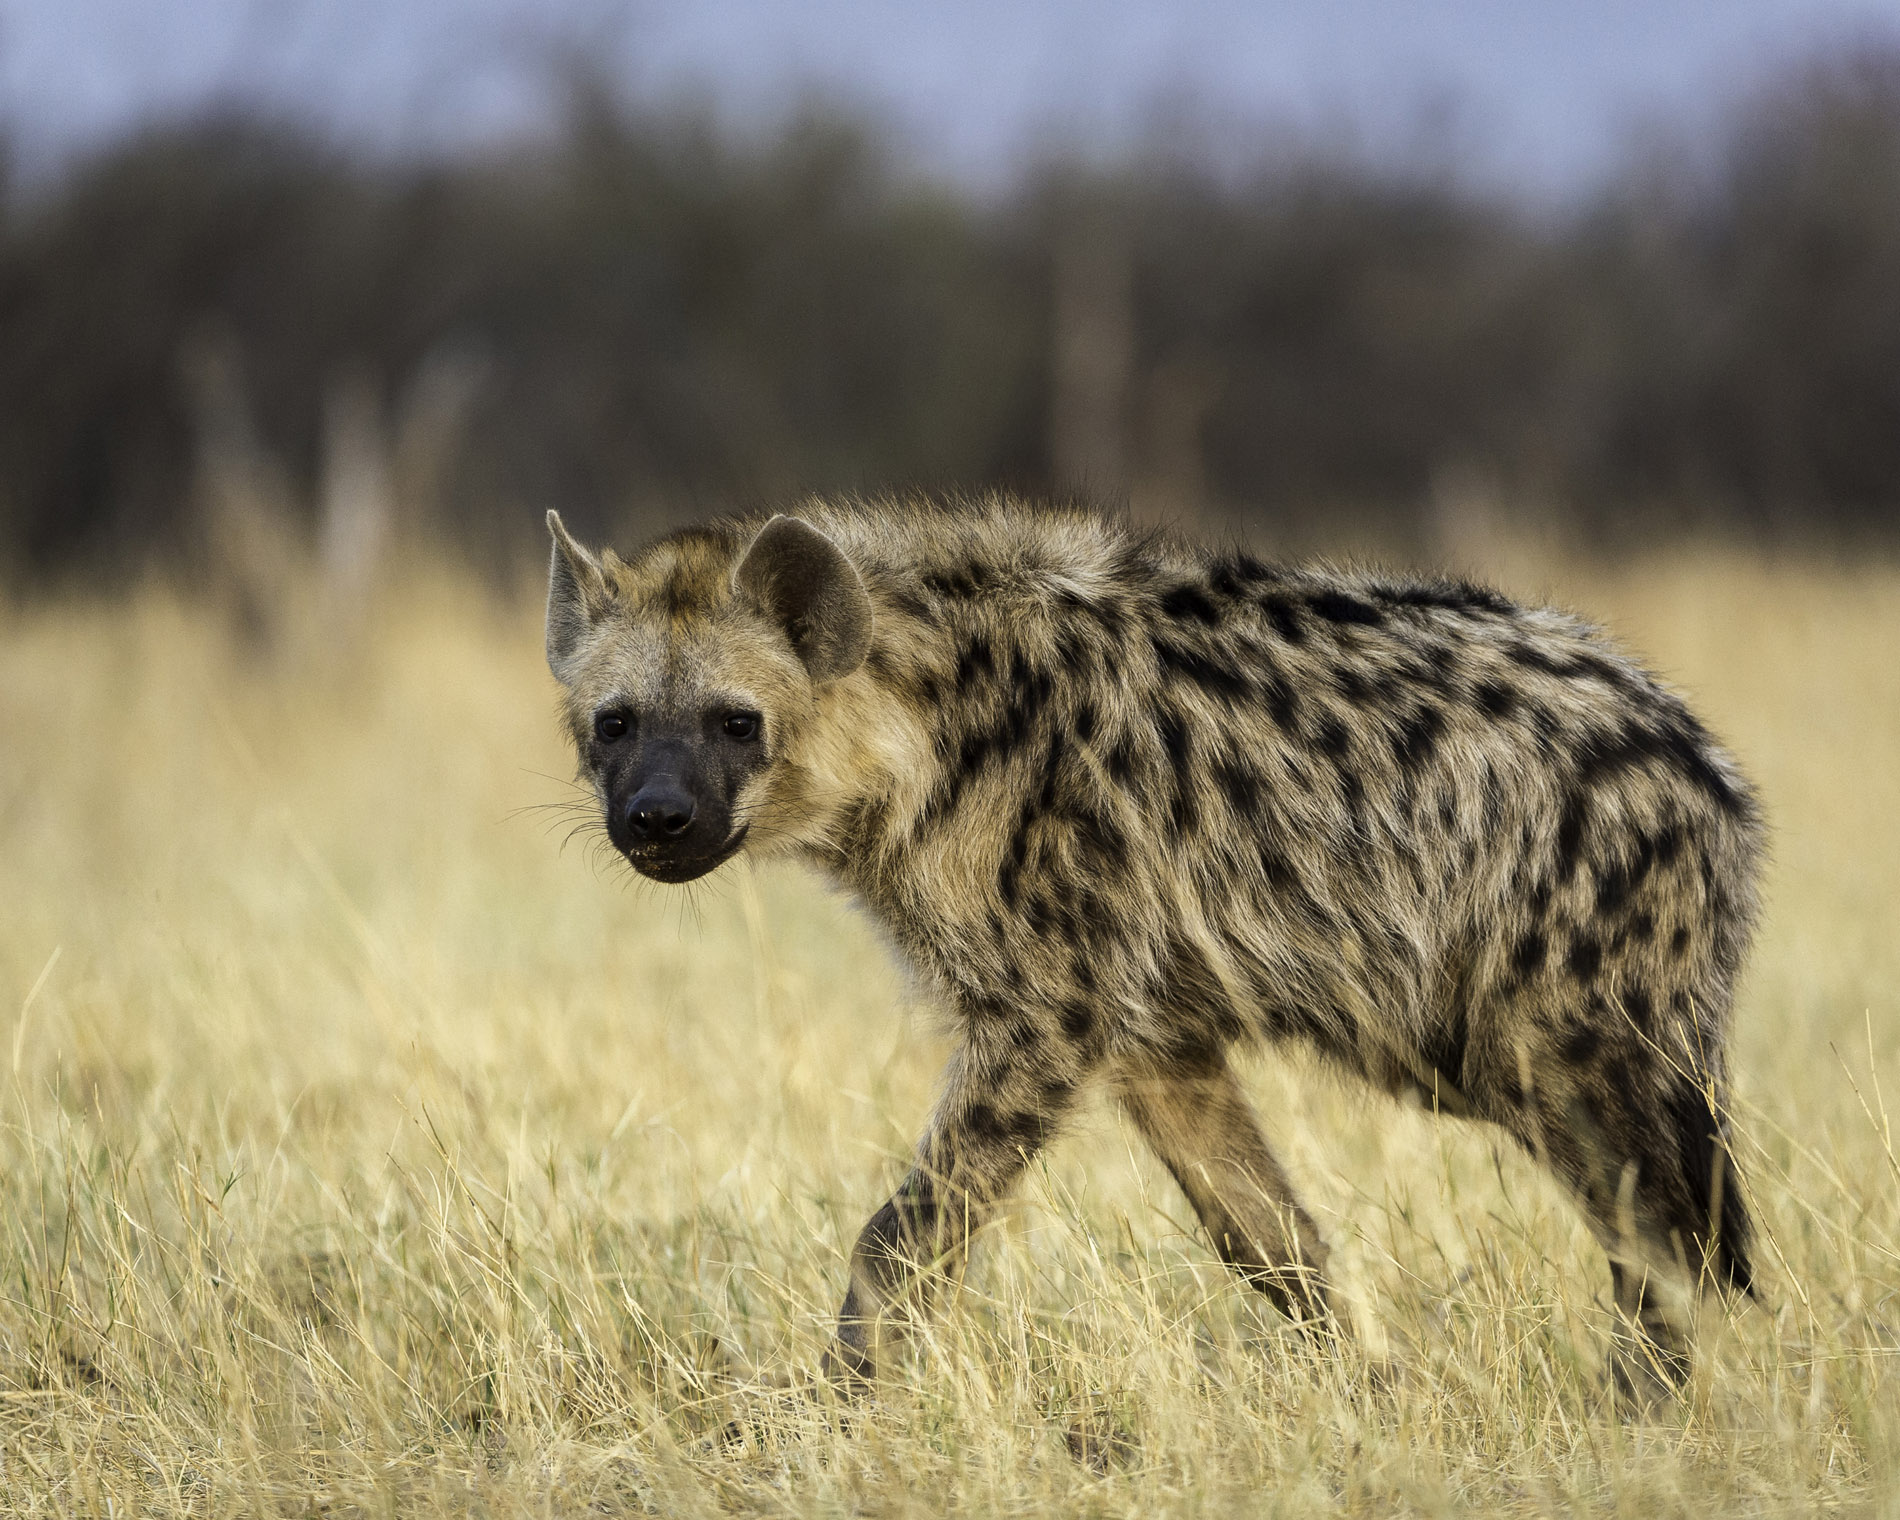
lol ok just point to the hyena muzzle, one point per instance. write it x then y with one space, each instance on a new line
1127 803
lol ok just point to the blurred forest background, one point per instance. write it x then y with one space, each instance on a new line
230 331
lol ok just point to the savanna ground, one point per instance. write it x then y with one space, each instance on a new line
363 1151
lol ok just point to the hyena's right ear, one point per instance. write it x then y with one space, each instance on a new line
803 582
578 595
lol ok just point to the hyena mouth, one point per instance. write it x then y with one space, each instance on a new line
675 871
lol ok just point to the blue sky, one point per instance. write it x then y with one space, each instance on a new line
1539 94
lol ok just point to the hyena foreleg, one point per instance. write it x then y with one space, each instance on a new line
1199 1123
1002 1100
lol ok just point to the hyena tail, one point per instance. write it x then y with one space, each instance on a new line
1718 1222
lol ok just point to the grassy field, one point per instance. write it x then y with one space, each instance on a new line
364 1151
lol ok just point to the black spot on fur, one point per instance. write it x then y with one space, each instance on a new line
1576 665
1586 956
1234 574
1007 876
1183 810
1447 596
1496 699
1176 742
1601 756
1580 1044
1622 875
1284 617
975 753
1637 1004
1352 791
1213 676
1078 1020
956 584
1189 1052
1679 943
1346 610
1190 603
909 603
1241 785
989 1010
1298 1021
1543 724
1436 669
1010 1131
1030 684
1278 870
1528 958
1687 747
1040 914
1570 827
1075 653
1100 835
1416 738
1051 774
1533 658
1283 703
1178 745
975 662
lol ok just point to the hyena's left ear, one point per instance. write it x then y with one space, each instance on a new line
578 595
803 582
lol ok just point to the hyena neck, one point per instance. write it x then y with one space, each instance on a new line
860 762
895 736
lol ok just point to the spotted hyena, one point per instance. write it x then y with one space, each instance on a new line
1126 803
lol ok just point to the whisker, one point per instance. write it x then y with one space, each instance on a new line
563 805
573 781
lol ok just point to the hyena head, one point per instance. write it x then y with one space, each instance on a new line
695 676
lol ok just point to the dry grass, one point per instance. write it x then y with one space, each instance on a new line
365 1152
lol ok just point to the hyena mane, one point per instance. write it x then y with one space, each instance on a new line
1127 802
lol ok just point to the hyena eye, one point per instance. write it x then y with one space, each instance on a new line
610 726
742 725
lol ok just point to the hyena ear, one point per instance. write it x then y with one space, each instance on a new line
803 582
578 595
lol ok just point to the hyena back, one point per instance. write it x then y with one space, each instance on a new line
1127 803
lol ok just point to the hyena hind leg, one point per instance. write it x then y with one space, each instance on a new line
1650 1358
1199 1123
1647 1158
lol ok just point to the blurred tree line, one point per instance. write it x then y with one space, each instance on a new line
646 318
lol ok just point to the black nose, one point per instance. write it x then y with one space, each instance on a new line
659 812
